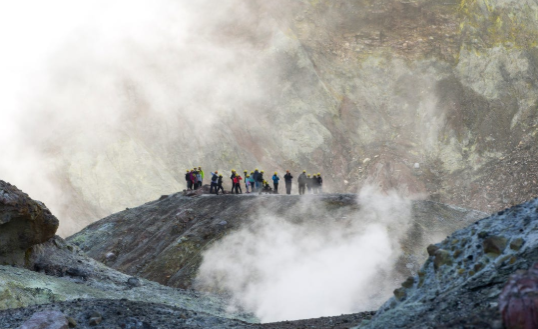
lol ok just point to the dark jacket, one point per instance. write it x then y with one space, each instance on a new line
214 177
320 181
288 177
219 181
302 178
260 177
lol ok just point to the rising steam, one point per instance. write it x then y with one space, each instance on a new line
284 270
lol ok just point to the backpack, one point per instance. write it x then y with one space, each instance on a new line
214 178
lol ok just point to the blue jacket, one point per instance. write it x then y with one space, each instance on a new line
276 179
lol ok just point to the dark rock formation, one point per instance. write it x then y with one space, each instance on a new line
140 315
23 224
460 283
46 320
163 240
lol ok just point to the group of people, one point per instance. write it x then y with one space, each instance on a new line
194 178
254 182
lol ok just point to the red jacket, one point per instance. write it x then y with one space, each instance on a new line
237 179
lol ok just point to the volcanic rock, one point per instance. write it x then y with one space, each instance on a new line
465 294
23 224
46 320
163 240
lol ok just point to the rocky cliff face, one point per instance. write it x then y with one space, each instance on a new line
428 97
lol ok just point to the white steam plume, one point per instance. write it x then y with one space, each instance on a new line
282 270
96 94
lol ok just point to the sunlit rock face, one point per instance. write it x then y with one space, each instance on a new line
430 98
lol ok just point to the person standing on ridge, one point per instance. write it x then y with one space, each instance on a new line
314 184
302 182
261 179
237 184
251 182
198 179
192 178
232 179
276 179
309 182
188 180
288 179
201 176
247 183
214 180
219 185
320 183
255 177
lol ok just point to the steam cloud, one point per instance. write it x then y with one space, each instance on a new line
95 93
283 270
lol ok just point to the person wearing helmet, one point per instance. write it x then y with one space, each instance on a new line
255 176
198 179
266 188
276 179
247 183
192 179
219 185
237 183
302 182
232 179
288 179
188 180
261 179
320 183
251 182
214 180
200 183
309 183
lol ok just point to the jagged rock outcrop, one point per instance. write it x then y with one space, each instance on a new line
23 223
461 281
163 240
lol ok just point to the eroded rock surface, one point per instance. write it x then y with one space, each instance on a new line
163 240
463 289
23 223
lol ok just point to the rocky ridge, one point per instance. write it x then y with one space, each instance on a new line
465 274
164 240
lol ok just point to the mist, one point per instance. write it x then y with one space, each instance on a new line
105 105
282 269
95 93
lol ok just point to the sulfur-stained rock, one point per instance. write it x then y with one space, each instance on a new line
516 244
442 257
400 293
494 245
23 223
409 282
